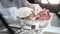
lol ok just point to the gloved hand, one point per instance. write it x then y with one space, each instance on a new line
24 12
36 8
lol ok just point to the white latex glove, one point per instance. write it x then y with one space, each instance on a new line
24 12
36 8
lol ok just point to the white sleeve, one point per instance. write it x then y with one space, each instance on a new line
9 13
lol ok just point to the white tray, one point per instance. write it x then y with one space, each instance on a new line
34 22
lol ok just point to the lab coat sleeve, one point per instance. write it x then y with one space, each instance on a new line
9 13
